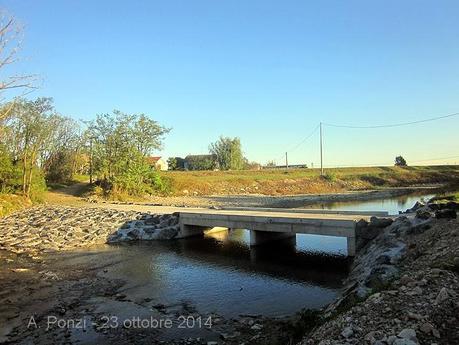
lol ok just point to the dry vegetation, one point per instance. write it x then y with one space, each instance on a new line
10 203
305 181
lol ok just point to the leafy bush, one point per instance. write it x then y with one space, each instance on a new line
400 161
329 176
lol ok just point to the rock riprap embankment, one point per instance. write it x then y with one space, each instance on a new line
148 227
51 228
403 288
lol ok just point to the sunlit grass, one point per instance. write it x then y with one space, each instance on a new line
11 202
303 181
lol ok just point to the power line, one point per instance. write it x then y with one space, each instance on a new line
386 163
305 139
370 127
302 141
395 124
434 159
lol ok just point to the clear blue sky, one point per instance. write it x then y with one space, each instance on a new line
266 71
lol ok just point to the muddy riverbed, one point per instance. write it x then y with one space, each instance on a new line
198 284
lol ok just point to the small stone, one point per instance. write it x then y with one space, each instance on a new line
423 214
435 271
391 339
414 316
442 296
347 332
417 290
408 333
426 328
256 327
405 280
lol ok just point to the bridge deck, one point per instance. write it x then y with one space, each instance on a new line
263 222
310 223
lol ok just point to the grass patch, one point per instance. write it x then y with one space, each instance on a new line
12 202
445 197
305 181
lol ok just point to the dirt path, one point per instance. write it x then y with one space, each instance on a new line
70 195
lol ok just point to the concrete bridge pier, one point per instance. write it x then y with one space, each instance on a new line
351 246
258 237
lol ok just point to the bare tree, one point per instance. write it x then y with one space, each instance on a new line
10 44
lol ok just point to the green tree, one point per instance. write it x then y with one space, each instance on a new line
172 163
30 128
120 144
201 162
400 161
12 85
228 152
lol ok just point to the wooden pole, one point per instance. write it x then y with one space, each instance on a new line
321 154
90 160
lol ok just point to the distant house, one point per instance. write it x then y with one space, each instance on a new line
200 162
158 163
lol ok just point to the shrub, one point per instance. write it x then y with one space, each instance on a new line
329 176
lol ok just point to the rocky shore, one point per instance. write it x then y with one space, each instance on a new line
404 285
55 228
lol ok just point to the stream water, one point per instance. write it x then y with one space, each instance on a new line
392 205
221 274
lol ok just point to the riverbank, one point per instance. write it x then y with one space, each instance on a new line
282 201
305 181
402 287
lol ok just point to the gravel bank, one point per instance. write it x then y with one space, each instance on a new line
55 228
403 289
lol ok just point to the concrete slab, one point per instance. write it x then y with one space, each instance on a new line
279 224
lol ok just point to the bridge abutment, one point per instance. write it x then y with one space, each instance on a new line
191 230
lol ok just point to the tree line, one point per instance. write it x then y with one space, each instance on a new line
41 146
224 154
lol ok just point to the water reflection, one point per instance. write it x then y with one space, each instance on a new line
221 273
392 205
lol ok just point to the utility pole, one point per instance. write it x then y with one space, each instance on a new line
321 154
90 160
286 160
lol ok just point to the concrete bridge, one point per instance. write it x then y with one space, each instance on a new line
275 224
